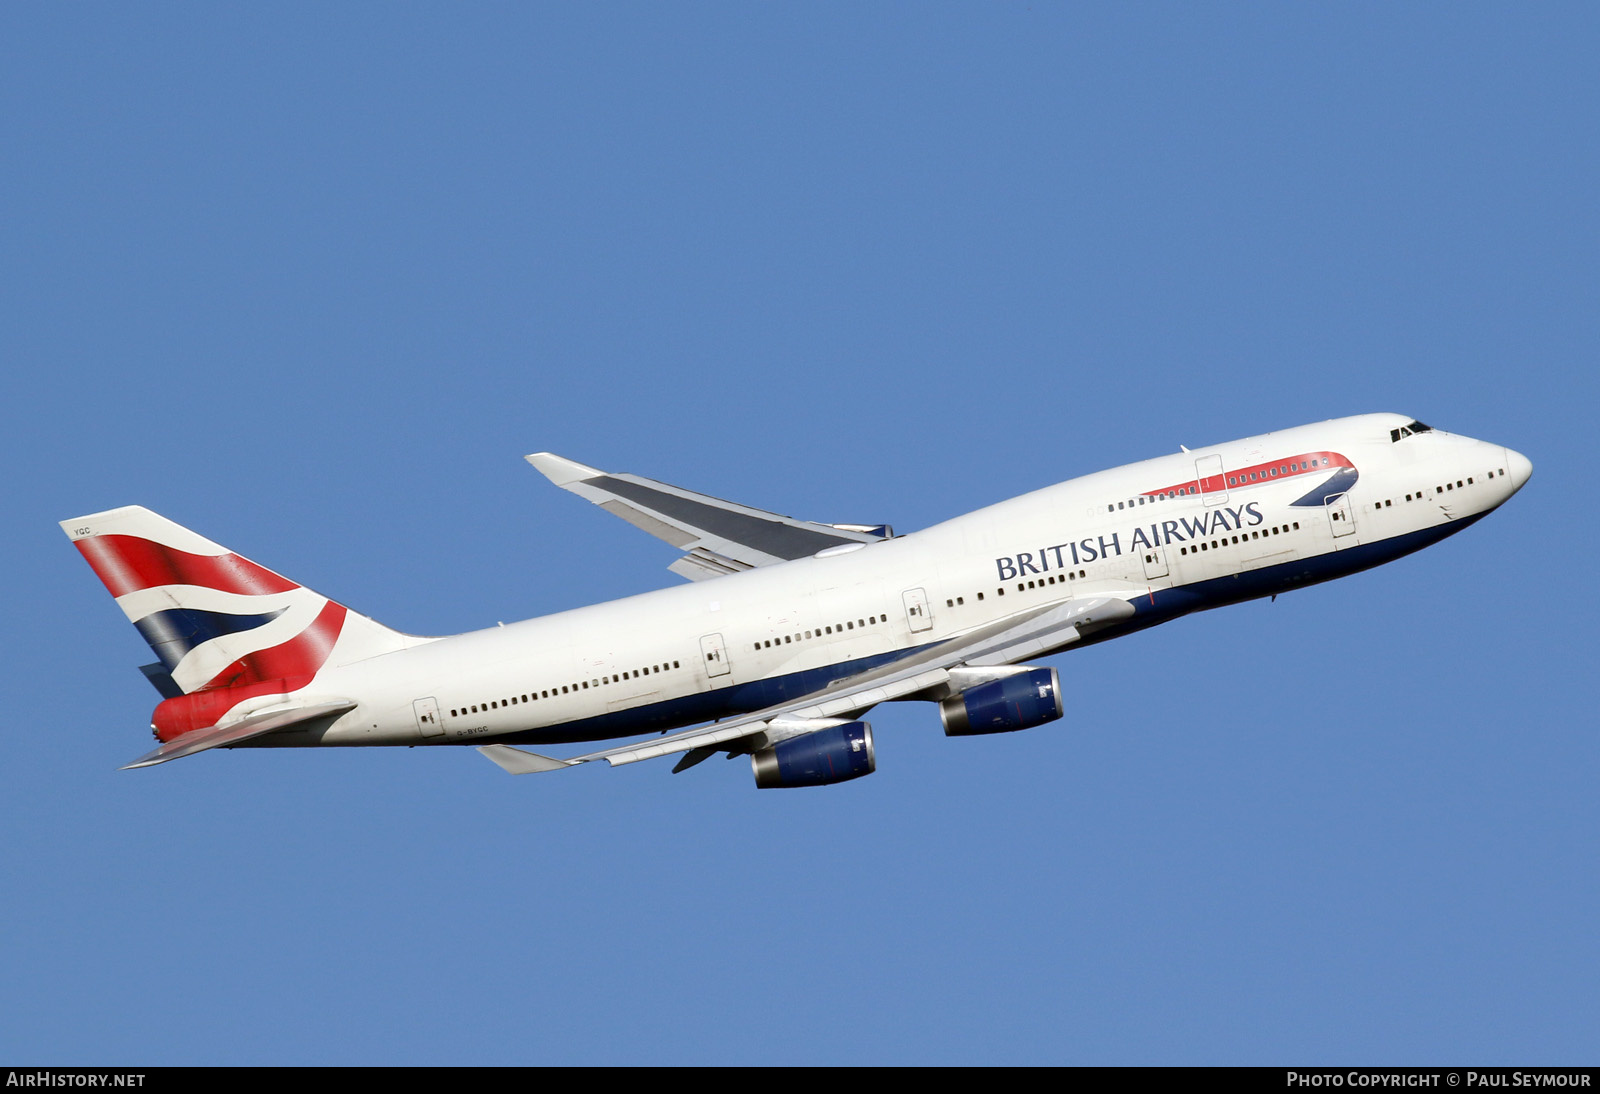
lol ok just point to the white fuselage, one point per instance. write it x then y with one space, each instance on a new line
1174 534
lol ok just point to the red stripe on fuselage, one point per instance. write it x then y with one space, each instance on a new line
302 655
127 564
1306 463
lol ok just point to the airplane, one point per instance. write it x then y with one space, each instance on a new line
789 630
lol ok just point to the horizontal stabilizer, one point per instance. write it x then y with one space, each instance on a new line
251 725
519 761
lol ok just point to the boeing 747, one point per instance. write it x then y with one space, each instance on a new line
789 631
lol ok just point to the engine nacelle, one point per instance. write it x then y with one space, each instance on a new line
832 755
1027 699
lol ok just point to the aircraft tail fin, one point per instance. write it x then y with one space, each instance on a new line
214 618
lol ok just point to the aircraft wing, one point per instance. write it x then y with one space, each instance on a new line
720 537
1006 642
251 725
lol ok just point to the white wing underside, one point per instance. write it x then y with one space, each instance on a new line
1007 642
720 537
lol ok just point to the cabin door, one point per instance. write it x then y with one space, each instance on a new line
1155 562
1342 519
714 655
917 614
427 713
1213 484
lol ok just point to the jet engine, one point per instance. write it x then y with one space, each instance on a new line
1020 700
834 754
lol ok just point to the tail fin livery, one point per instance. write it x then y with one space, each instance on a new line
215 619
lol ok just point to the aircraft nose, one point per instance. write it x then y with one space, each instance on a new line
1519 467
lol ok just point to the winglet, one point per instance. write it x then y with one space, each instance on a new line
519 761
560 470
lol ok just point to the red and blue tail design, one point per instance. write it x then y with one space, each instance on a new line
216 620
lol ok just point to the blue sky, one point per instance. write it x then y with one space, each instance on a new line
312 279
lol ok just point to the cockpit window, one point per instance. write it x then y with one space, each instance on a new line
1408 429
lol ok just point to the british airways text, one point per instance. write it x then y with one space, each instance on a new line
1078 552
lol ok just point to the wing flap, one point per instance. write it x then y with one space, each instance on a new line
701 565
1057 627
752 724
